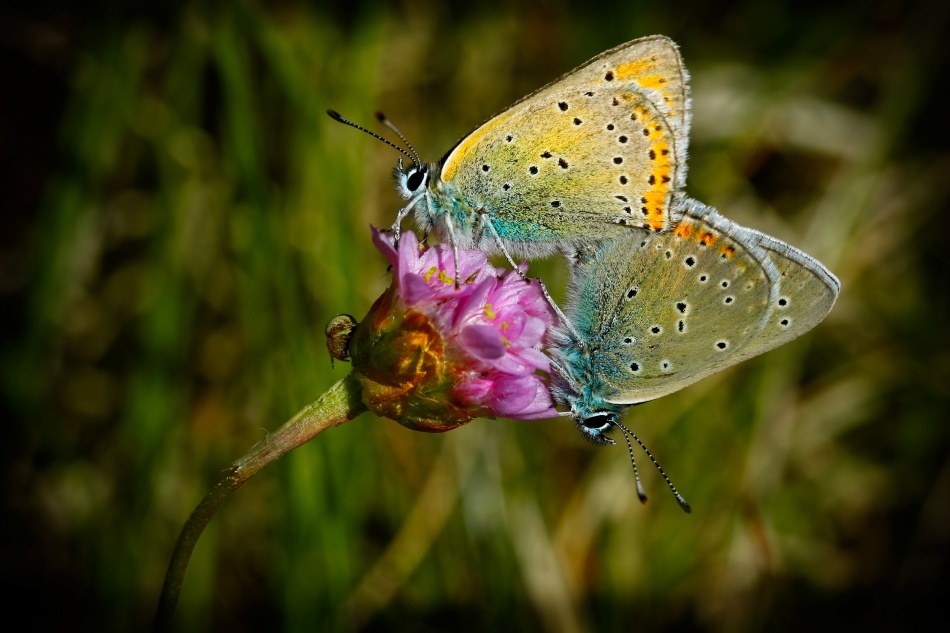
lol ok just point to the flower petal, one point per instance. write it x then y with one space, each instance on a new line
523 398
384 244
482 341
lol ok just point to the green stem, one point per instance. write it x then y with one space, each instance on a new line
340 404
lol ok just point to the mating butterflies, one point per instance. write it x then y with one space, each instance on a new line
664 290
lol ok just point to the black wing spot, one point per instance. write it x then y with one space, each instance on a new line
632 293
618 160
562 163
623 180
562 105
609 76
533 170
722 344
690 261
555 203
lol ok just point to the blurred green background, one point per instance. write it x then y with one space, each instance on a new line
180 219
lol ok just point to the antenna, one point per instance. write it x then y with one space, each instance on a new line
640 492
337 117
382 119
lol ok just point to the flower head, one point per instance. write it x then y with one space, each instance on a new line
433 355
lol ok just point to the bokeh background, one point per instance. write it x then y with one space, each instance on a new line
180 219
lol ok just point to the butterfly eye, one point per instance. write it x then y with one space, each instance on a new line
415 180
599 422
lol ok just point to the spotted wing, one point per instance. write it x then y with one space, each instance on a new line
662 311
807 292
605 143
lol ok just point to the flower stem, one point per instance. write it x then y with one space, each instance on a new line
338 405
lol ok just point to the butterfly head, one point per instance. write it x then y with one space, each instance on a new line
596 425
575 385
411 179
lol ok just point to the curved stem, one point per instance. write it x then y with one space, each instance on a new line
338 405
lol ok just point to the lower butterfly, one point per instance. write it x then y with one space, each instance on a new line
656 312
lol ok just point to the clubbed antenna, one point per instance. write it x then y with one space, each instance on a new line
337 117
640 492
382 119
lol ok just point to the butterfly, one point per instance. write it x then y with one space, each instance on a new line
656 312
586 157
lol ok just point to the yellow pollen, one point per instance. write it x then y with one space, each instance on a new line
489 312
445 278
429 273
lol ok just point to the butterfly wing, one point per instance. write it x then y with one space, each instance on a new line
807 292
605 143
662 311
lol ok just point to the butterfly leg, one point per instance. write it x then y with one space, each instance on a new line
479 234
486 222
403 212
455 249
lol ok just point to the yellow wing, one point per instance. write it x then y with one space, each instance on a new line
605 143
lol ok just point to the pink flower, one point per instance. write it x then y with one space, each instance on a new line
433 356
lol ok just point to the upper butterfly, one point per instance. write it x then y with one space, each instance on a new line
597 150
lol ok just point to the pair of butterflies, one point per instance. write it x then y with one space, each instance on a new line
664 291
